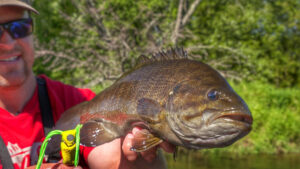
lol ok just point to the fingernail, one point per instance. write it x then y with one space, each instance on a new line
129 135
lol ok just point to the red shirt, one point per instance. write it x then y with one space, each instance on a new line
24 133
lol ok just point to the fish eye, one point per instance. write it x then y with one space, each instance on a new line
212 95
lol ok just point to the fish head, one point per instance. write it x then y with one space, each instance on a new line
207 113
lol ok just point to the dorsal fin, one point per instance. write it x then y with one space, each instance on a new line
171 54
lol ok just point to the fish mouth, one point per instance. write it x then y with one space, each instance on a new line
236 124
220 128
237 117
234 116
241 120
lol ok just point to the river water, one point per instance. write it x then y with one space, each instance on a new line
193 161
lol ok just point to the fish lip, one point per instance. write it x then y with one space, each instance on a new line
237 116
231 115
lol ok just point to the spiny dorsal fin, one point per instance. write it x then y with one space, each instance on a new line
171 54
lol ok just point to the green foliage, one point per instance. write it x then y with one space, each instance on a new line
92 41
265 32
250 40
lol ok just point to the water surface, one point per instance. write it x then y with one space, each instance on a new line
192 160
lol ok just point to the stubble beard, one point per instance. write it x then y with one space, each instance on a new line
15 78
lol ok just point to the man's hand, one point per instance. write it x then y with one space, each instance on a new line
148 155
117 154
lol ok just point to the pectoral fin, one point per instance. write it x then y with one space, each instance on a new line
96 133
144 140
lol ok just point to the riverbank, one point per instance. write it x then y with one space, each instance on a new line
192 160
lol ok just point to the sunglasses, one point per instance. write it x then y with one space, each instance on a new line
18 28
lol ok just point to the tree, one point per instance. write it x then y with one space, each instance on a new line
91 42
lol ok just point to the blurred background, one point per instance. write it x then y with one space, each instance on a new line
254 44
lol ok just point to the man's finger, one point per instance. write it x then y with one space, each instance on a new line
148 155
126 146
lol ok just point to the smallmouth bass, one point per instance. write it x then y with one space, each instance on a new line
184 102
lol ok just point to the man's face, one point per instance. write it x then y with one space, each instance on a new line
16 55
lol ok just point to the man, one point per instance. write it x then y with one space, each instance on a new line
21 126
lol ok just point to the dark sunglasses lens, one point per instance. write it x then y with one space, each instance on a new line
1 32
20 28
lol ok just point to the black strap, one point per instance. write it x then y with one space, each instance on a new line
45 106
47 116
5 159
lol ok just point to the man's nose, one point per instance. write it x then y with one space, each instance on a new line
6 41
